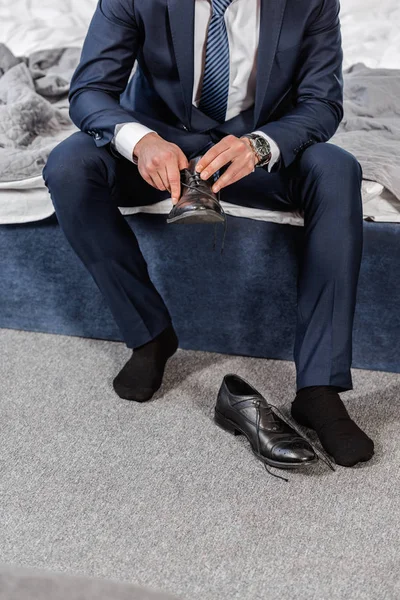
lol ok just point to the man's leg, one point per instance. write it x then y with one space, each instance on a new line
327 187
326 184
87 184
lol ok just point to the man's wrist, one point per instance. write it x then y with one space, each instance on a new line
261 148
140 144
246 140
127 135
275 151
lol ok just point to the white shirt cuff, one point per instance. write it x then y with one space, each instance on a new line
127 135
275 152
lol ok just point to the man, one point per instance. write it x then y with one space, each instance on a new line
208 74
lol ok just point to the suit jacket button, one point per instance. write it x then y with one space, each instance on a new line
98 136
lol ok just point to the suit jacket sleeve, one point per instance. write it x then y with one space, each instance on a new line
318 83
107 59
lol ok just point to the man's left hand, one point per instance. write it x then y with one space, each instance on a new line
230 149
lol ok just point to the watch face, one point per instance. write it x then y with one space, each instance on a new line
263 147
263 150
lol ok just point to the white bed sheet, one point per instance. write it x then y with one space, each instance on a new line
28 201
370 28
371 34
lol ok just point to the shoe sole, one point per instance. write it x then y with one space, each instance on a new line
204 216
232 428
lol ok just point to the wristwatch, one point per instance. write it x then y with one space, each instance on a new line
261 148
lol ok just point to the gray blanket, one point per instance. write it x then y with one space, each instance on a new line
371 125
34 115
33 109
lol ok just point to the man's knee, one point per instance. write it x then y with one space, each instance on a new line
70 162
335 177
329 160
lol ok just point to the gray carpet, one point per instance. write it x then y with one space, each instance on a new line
157 495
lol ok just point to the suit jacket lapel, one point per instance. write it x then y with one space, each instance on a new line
181 18
271 18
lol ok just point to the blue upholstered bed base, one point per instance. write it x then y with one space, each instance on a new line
241 302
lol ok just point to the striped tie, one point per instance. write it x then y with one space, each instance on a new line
214 93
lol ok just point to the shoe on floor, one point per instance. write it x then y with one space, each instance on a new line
241 409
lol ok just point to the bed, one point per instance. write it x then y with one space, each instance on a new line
44 287
371 35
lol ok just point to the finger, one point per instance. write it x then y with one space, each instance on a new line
163 174
157 181
220 161
183 162
221 154
145 175
244 161
212 153
208 157
232 174
174 179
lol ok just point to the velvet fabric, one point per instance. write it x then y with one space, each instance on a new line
241 302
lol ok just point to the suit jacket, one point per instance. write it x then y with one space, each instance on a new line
299 87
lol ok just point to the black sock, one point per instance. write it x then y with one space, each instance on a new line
320 408
142 375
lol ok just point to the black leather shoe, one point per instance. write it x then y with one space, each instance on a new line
198 203
240 409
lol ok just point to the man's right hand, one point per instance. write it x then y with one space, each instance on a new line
160 163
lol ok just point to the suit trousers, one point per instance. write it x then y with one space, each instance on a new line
87 184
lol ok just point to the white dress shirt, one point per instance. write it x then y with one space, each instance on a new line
242 18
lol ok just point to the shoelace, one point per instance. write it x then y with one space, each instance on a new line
288 422
194 182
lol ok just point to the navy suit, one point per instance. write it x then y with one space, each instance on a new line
298 102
